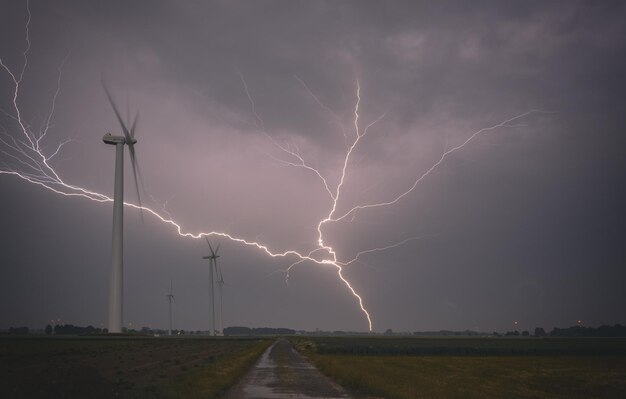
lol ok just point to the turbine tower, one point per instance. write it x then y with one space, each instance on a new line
170 298
117 250
212 266
220 286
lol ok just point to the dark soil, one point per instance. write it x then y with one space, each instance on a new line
102 367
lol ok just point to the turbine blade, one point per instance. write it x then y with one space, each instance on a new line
127 107
217 248
117 112
212 252
136 175
134 126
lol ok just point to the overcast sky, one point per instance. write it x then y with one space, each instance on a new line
525 223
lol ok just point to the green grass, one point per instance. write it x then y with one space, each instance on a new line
213 378
466 346
383 368
478 376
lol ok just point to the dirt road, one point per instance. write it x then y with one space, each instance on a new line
284 373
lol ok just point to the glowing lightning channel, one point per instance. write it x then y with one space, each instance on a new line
335 194
505 123
30 155
30 163
386 247
336 118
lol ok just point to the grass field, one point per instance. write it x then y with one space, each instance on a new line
473 367
82 367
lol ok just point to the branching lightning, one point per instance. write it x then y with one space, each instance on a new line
27 159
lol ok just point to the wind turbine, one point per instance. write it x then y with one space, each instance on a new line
170 298
212 266
117 250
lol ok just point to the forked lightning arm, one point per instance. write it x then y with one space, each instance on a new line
28 160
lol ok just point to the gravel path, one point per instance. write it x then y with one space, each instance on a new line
281 372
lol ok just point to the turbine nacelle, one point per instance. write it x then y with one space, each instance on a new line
128 138
214 254
114 140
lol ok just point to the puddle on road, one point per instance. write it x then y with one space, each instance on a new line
262 380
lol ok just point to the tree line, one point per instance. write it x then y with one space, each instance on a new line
603 331
616 330
230 331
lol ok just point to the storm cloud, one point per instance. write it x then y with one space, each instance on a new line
526 223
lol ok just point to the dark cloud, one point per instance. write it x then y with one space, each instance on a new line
526 223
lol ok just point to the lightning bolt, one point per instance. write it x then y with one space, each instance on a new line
28 160
295 159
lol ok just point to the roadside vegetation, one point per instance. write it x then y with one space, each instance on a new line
397 368
214 377
126 367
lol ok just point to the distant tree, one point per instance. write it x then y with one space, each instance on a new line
525 333
540 332
69 329
272 331
580 331
237 331
18 330
48 329
611 331
389 331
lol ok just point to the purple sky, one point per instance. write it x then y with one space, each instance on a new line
524 223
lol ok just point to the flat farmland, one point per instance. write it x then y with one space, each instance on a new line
394 368
127 367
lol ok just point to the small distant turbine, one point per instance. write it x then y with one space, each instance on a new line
212 271
170 298
117 247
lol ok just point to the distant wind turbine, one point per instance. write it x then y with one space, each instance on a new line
212 270
117 250
170 298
